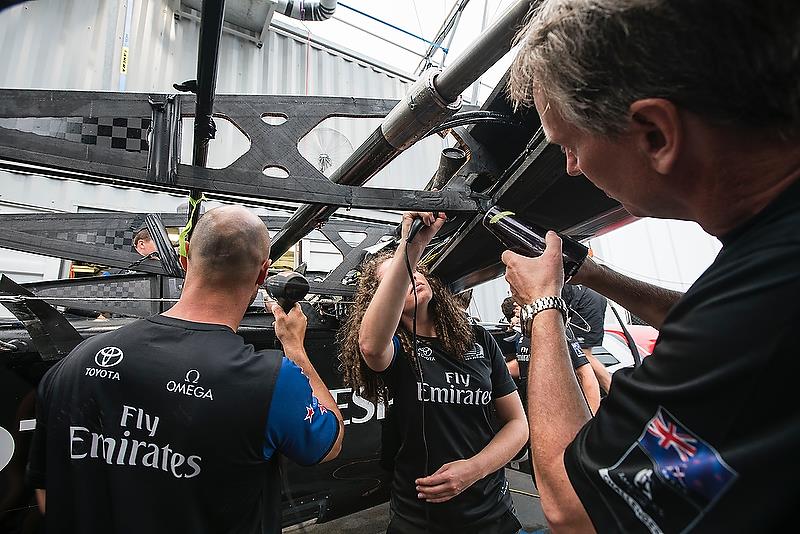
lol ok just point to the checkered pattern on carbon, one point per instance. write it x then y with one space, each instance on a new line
106 289
117 239
129 133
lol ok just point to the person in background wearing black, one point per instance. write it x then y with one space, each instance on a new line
144 244
684 110
587 319
173 423
510 341
448 470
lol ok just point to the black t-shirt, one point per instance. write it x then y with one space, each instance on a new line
458 396
576 354
704 435
508 343
166 426
587 314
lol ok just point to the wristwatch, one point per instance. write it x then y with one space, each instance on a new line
529 311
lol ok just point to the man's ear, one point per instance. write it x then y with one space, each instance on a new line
262 273
658 130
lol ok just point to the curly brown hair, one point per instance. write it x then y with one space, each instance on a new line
452 327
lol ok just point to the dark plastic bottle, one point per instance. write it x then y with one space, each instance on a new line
526 238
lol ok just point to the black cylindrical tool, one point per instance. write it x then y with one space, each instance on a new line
287 288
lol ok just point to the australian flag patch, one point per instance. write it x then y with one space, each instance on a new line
669 477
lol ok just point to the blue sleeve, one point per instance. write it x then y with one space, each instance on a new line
298 426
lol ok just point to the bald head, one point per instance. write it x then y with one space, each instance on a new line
228 247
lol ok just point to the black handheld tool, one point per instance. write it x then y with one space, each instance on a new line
528 239
287 288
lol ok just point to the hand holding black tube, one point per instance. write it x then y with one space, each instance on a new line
420 227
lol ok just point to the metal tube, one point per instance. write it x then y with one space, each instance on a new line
207 59
482 53
421 109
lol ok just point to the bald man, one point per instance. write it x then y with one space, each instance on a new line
173 423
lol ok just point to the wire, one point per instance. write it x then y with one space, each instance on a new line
419 371
526 493
153 254
398 28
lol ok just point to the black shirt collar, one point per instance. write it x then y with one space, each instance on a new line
188 325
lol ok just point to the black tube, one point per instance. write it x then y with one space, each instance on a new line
492 44
450 161
207 58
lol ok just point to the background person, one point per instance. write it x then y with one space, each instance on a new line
448 470
509 343
587 320
173 423
703 436
143 243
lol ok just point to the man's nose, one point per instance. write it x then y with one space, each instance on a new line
572 164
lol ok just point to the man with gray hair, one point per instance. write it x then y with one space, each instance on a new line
173 423
687 110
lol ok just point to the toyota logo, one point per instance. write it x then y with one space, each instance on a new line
108 356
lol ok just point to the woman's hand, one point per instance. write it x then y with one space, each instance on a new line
431 225
448 481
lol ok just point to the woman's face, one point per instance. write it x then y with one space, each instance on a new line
424 292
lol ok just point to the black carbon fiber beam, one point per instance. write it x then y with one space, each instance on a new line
207 59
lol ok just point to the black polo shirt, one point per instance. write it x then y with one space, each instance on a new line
456 395
167 426
704 436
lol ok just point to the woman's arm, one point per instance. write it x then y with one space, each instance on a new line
454 477
383 313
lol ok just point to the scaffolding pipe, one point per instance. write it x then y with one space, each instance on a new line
432 99
306 9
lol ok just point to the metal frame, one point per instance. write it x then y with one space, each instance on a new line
106 239
270 146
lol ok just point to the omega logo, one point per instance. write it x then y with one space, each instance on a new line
108 356
189 386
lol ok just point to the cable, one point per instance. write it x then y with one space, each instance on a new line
153 254
419 371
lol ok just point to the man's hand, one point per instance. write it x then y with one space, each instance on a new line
532 278
290 329
448 481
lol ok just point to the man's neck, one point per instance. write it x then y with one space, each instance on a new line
209 306
745 183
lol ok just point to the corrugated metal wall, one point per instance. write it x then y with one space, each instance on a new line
77 45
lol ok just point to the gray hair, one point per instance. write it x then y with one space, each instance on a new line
734 62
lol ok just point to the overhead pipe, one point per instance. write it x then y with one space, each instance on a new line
432 99
207 59
306 10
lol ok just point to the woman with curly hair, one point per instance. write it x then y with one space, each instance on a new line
448 469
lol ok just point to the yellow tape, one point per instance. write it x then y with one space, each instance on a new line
123 62
186 230
500 215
